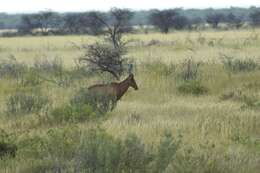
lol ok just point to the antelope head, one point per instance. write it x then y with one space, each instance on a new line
132 82
131 78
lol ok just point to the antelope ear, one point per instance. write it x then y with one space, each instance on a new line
130 68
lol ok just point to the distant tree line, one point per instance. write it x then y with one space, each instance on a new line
94 22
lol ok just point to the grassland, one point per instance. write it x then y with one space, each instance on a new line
219 129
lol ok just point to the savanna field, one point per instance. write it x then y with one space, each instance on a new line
197 109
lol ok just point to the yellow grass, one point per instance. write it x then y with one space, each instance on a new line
157 106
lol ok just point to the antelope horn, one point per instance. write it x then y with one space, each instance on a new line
130 68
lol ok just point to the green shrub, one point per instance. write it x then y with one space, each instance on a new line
100 152
134 156
49 66
105 57
206 158
191 87
73 113
23 103
51 152
100 103
7 145
160 68
12 68
7 149
52 70
95 151
166 152
238 65
81 70
250 102
194 161
30 78
41 166
189 70
201 39
246 95
83 106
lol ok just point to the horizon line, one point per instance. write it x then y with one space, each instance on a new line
107 10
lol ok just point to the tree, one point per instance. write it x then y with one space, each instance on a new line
48 20
118 24
233 20
89 23
104 57
181 22
28 23
44 21
215 19
164 20
2 25
109 55
255 18
72 22
195 22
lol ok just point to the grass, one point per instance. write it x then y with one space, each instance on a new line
217 135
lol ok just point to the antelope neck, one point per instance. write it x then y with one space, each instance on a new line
122 88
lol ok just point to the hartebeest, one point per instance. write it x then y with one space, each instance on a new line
116 90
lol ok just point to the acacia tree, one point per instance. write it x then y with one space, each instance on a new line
164 19
116 24
44 21
108 56
255 18
48 20
90 24
72 22
233 20
181 22
215 19
28 23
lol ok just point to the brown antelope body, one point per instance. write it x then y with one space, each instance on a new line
116 90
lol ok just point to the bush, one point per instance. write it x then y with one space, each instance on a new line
30 78
206 158
80 71
196 162
12 68
106 58
51 152
237 65
191 87
53 71
166 152
246 95
73 113
41 166
7 149
153 42
23 103
189 70
100 152
101 104
7 146
95 151
83 106
49 66
134 156
160 68
9 34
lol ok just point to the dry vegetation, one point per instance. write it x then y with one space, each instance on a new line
197 108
